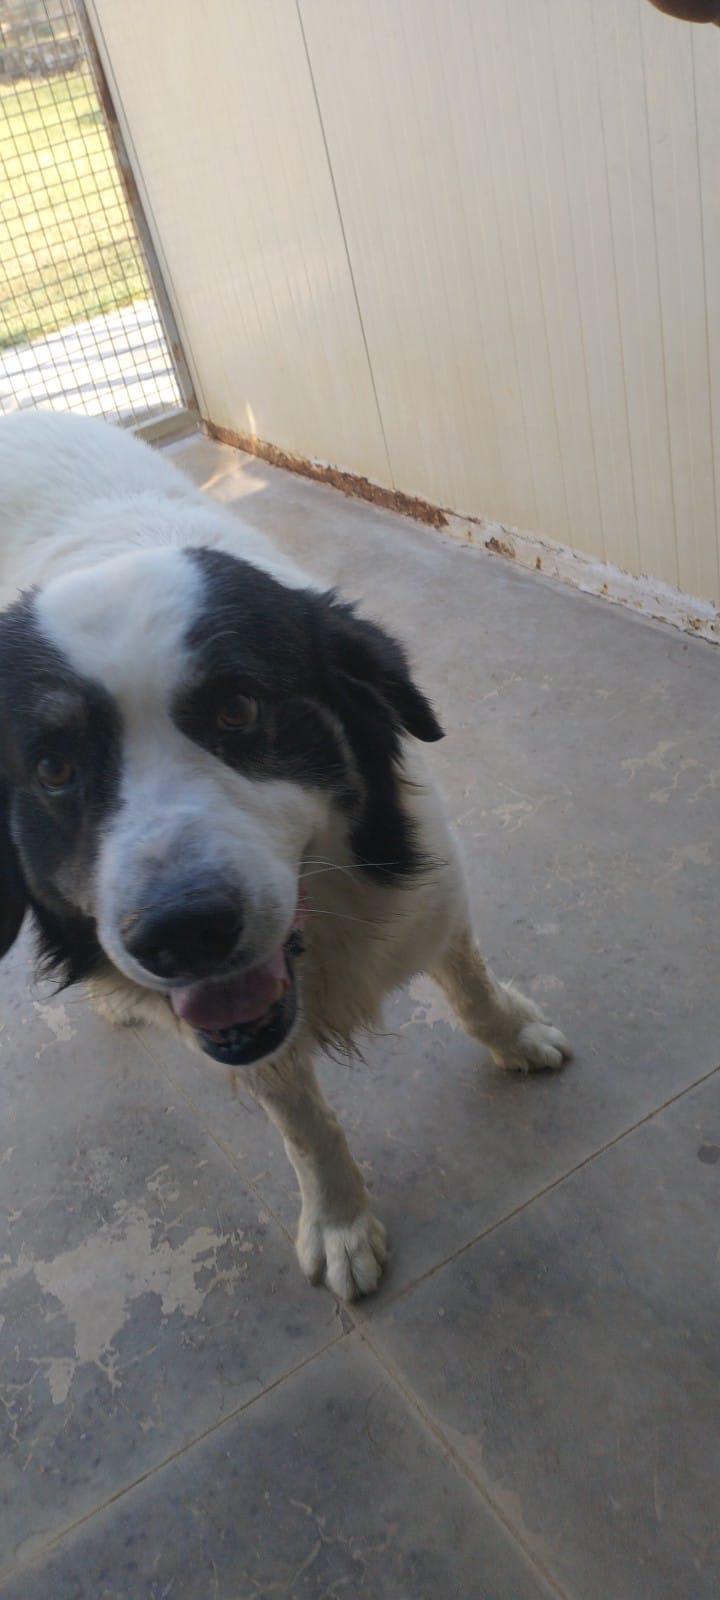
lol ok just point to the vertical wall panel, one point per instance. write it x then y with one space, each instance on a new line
626 145
468 247
525 174
707 109
220 109
585 173
673 137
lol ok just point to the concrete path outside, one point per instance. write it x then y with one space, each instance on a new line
531 1405
115 366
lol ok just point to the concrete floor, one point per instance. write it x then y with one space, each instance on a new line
531 1405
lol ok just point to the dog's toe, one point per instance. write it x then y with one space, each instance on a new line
538 1046
348 1257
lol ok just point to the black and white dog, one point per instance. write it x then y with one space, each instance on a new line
212 798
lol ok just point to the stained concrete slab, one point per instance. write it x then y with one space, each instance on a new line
582 765
144 1293
573 1359
333 1487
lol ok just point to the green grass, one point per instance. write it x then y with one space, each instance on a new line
67 248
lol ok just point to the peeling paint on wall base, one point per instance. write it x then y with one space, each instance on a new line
650 597
348 483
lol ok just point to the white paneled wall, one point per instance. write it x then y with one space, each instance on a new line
468 248
220 111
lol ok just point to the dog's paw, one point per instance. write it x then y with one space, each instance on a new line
535 1048
348 1257
533 1045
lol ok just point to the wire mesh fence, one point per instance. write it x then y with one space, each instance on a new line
79 327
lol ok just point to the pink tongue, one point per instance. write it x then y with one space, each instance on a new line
212 1006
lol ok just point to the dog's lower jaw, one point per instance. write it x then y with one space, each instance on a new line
124 1003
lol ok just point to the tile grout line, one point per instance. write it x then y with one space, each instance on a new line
364 1328
463 1467
40 1556
393 1299
361 1328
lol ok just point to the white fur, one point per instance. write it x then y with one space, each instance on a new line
76 492
96 520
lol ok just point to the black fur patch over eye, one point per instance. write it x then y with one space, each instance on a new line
60 764
335 696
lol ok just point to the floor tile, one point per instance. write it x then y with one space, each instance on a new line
143 1291
573 1359
328 1487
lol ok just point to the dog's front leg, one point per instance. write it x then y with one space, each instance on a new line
339 1239
513 1028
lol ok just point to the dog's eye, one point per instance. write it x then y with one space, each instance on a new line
55 773
238 714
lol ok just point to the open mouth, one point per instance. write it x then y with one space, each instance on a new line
241 1019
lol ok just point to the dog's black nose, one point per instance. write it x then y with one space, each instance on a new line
185 938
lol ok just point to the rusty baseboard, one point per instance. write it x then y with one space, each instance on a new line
646 596
356 488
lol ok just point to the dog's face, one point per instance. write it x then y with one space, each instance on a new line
176 730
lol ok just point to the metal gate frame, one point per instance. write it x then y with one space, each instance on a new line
170 424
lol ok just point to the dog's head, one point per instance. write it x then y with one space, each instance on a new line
177 729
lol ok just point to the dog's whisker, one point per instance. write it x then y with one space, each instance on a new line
350 871
320 911
328 866
321 872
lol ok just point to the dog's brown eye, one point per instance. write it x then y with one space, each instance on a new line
237 715
55 772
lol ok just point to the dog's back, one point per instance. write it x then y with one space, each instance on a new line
51 465
50 461
75 491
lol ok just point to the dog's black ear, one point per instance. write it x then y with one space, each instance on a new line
13 894
364 654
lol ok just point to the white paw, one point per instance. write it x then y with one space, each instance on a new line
525 1042
348 1257
538 1045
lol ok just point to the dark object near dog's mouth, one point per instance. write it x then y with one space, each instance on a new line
243 1039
